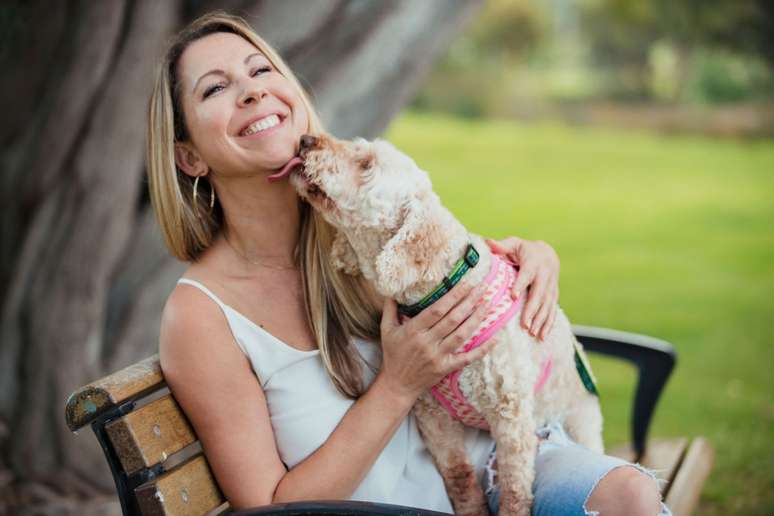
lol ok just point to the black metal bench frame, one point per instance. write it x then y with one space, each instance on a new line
653 358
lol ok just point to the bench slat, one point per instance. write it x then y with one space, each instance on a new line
683 497
187 489
88 402
663 456
150 434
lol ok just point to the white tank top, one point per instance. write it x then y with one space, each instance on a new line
305 407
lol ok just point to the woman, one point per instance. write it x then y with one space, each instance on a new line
269 351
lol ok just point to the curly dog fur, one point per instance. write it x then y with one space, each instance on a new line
393 229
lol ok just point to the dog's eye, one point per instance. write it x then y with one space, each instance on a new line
366 162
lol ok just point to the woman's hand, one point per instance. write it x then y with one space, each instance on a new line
419 352
539 275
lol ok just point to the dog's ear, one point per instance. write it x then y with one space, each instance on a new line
407 256
343 257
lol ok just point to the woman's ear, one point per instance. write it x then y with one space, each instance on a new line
343 257
189 161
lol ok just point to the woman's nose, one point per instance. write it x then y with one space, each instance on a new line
251 94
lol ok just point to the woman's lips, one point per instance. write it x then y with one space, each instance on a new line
285 171
259 134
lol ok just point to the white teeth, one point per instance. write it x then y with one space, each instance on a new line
261 125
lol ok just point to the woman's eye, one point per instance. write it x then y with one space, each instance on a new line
260 70
212 89
217 87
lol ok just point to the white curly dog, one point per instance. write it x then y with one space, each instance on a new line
394 231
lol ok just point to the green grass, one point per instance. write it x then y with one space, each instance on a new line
671 236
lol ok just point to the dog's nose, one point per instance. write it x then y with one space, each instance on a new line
308 141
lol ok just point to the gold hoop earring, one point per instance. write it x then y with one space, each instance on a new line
196 195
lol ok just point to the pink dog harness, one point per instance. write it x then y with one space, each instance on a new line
502 274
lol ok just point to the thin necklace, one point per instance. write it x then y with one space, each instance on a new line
260 264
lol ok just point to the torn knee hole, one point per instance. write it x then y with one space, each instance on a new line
627 489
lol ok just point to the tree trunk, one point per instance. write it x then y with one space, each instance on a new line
83 271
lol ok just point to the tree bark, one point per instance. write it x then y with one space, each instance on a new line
83 270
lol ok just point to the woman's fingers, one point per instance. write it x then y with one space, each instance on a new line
459 314
535 298
496 247
430 316
550 321
508 245
389 314
462 333
525 277
460 360
541 317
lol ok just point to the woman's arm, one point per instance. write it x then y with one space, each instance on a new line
416 355
538 275
213 382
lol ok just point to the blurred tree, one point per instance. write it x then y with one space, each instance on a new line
468 81
507 29
623 32
83 272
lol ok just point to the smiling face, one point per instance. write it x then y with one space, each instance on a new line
241 114
358 184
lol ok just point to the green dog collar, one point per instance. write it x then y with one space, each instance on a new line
467 262
584 370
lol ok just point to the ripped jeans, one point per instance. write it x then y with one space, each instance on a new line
565 475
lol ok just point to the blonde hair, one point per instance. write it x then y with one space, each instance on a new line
338 306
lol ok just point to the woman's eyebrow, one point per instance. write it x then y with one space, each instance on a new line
255 54
211 72
221 72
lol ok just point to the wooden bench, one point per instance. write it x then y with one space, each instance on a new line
159 468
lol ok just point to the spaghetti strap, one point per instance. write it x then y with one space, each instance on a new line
204 289
226 309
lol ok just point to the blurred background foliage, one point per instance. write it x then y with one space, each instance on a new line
690 64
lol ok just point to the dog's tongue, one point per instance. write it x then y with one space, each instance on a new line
289 166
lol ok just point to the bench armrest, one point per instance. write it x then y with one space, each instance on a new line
654 359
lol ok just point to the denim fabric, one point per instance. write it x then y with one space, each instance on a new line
565 475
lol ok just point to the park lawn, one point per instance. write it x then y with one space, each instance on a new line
666 235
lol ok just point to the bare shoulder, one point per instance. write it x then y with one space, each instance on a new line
195 340
212 380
